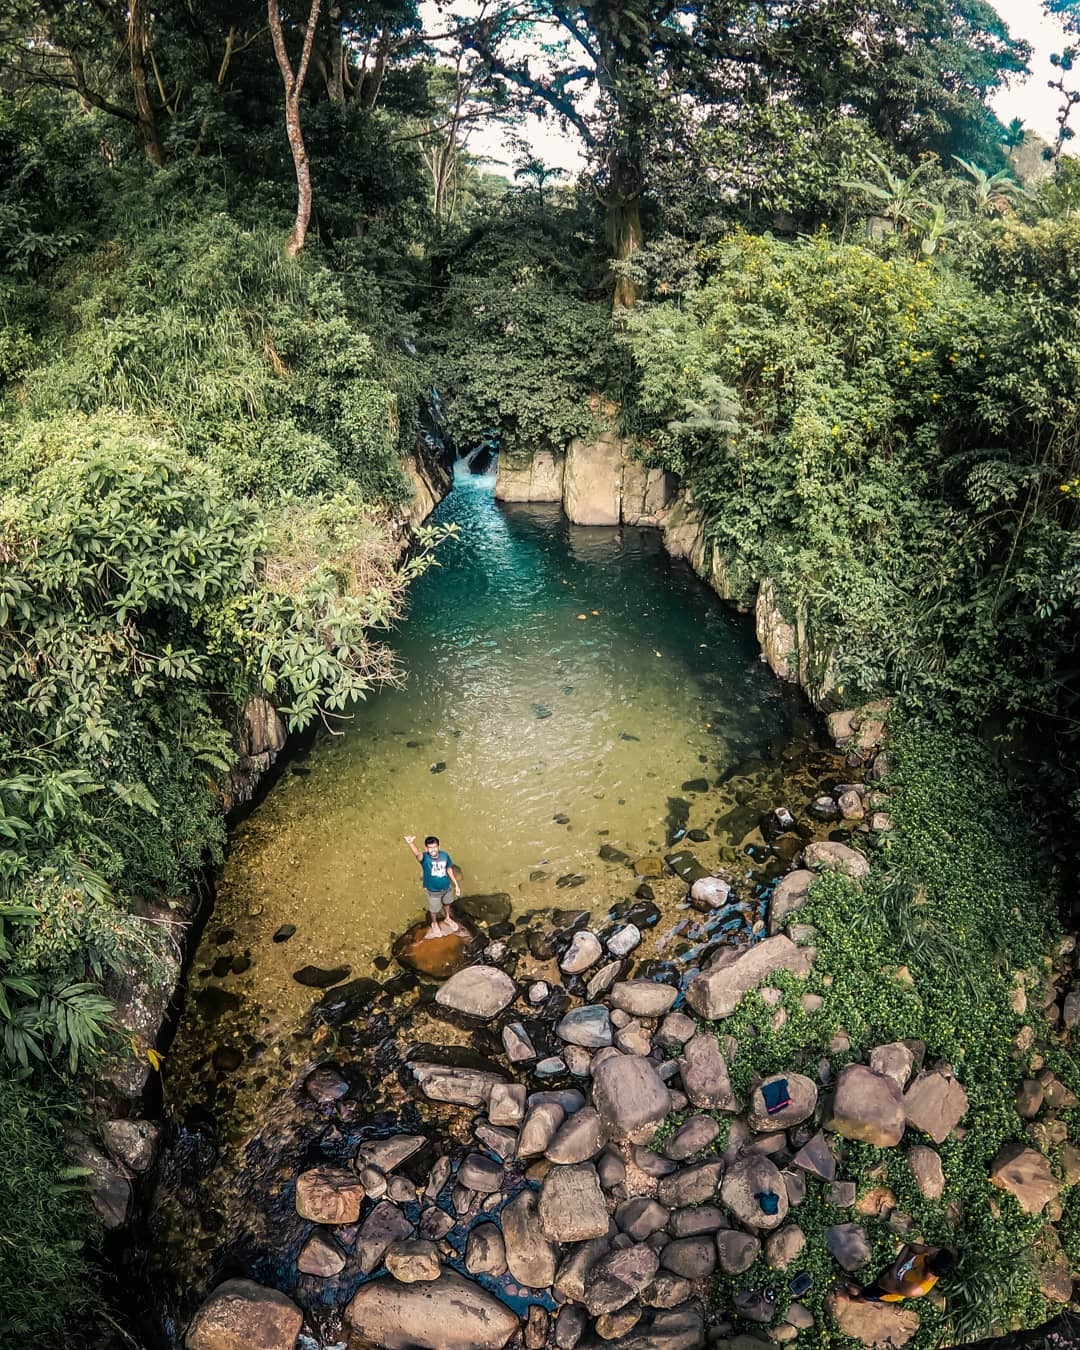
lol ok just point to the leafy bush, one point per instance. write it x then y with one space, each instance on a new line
47 1286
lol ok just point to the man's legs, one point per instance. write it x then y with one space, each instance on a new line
448 918
435 904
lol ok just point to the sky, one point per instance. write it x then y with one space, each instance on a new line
1028 99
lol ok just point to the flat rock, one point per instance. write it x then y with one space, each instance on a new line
705 1074
833 857
643 998
630 1097
680 1329
789 895
572 1206
589 1026
458 1086
331 1195
573 1272
848 1246
579 1139
926 1168
867 1106
1025 1173
619 1277
667 1290
737 1250
485 1251
479 991
696 1185
784 1246
530 1255
450 1313
602 979
321 1257
750 1178
716 992
639 1217
391 1152
675 1030
935 1103
413 1261
886 1325
241 1314
697 1219
803 1094
694 1258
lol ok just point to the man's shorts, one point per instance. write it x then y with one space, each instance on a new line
436 900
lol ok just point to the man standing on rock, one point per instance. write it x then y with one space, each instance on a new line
439 874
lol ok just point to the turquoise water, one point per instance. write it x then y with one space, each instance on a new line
562 683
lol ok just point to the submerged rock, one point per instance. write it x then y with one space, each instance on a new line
438 957
315 977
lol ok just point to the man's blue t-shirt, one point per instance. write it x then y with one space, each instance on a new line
436 871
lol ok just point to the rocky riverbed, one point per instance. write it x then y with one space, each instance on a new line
529 1134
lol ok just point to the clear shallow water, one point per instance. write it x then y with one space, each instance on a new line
555 670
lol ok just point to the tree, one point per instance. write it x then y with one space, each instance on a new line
294 85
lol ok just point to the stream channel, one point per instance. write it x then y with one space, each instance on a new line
568 689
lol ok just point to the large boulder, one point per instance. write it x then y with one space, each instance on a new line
717 990
745 1188
934 1103
788 896
479 991
1026 1174
450 1313
885 1325
592 480
240 1315
572 1206
832 857
630 1097
530 1255
704 1074
867 1106
803 1094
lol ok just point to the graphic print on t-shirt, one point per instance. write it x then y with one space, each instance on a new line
435 871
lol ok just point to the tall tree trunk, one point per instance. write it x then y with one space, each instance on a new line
138 41
625 235
335 83
294 84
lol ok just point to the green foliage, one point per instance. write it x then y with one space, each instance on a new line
956 898
903 432
47 1286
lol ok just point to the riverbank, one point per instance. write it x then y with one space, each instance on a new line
565 1141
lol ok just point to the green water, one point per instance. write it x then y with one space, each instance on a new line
535 711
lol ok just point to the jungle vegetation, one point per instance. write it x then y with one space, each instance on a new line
239 245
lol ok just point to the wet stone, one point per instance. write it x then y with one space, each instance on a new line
320 1257
285 932
325 1085
485 1253
481 1174
384 1225
316 977
330 1195
411 1261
